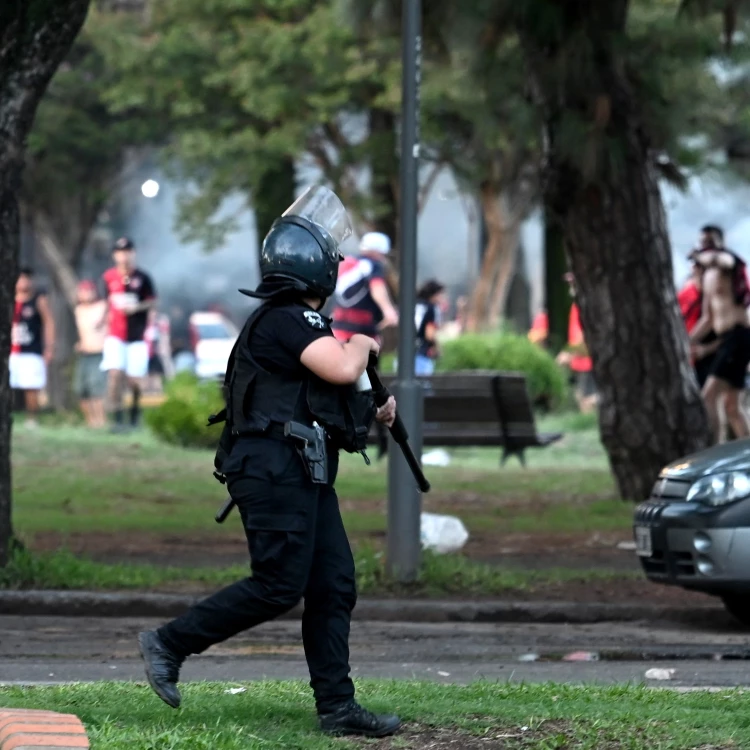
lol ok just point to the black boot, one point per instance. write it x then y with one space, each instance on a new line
162 667
351 718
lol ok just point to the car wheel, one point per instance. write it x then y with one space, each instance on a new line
738 605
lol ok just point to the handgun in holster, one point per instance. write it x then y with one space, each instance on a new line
312 449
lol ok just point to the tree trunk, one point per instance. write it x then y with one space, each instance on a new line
556 292
60 372
58 266
493 259
63 300
275 195
385 174
34 38
518 304
10 182
506 267
607 200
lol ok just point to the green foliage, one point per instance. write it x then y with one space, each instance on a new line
507 352
77 147
182 418
246 87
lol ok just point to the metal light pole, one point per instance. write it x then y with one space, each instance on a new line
404 500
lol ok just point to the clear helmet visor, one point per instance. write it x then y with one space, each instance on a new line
322 207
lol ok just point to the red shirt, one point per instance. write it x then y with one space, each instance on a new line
691 302
121 291
580 362
15 339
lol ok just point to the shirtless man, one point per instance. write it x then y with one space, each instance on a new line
726 314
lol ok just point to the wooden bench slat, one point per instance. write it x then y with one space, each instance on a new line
472 409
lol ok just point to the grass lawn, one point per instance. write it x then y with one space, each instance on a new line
101 494
483 715
68 480
439 576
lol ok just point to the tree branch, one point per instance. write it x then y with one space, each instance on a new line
426 188
58 266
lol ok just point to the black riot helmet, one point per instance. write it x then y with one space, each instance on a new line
301 250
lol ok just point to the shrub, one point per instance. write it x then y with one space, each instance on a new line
182 418
507 352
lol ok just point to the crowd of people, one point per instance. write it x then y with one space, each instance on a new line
112 350
124 344
713 303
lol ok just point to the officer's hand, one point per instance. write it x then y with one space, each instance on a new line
386 414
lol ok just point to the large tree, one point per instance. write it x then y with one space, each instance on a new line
609 78
35 36
76 157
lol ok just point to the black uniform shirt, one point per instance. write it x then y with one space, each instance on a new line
283 333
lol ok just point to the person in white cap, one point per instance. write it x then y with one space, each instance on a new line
363 303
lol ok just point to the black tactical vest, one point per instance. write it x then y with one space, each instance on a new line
257 399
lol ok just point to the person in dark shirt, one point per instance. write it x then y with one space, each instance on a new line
130 294
292 404
363 303
32 342
427 319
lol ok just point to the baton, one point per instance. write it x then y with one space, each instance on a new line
397 429
226 509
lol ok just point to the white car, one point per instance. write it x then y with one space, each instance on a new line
212 337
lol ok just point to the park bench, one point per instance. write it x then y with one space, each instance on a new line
477 408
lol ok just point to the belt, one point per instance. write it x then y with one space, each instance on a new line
275 430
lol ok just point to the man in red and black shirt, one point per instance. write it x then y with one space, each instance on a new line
690 299
130 294
363 304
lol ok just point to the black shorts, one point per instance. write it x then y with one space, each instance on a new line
733 357
703 369
155 366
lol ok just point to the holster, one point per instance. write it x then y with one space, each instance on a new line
312 449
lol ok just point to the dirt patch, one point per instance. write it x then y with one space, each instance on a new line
548 734
582 552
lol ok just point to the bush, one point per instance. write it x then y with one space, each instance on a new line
182 419
507 352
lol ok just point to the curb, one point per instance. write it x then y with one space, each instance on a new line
93 604
23 729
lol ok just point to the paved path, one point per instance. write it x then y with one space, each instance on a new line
55 649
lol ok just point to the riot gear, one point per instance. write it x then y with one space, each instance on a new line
301 251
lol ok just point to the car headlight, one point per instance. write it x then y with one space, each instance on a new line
720 489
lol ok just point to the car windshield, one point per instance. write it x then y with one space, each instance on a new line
213 331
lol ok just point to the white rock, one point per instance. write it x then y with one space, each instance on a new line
438 457
660 674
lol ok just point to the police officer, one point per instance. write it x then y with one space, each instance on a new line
292 403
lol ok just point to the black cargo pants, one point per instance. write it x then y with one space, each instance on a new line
298 548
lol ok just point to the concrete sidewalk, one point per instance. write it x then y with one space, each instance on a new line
95 604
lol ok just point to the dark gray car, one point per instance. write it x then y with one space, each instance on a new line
694 530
